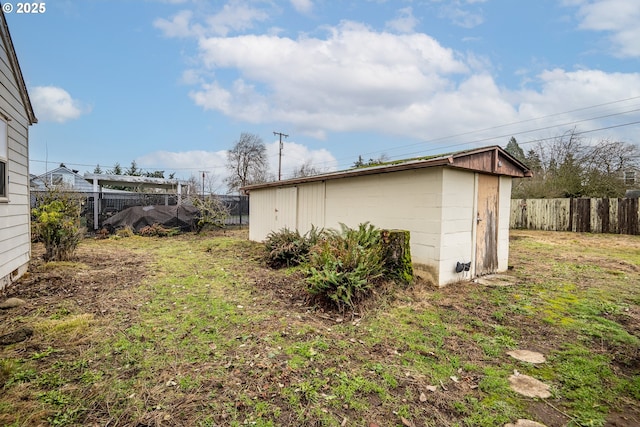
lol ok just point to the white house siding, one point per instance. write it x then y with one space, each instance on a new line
458 223
15 246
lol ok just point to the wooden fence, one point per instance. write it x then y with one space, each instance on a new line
620 216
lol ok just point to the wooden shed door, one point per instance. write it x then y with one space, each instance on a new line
487 225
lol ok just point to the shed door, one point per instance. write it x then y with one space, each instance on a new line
487 225
286 208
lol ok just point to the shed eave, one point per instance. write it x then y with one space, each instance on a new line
519 169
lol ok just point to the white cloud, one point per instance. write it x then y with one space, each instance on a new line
337 83
460 13
55 104
573 90
404 23
302 6
214 163
178 26
195 160
356 79
619 18
295 155
235 16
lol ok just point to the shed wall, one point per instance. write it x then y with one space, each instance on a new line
15 242
458 207
409 200
261 211
504 220
311 206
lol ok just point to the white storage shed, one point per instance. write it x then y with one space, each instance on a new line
456 207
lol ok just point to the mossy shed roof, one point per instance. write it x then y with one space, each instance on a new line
492 160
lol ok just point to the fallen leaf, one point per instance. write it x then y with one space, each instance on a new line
406 422
423 397
432 387
454 378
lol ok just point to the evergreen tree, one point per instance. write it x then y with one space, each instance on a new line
117 169
515 150
133 169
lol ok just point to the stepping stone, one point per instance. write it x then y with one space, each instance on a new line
12 303
527 356
529 386
500 280
525 423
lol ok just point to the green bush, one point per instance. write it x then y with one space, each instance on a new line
56 223
286 248
345 265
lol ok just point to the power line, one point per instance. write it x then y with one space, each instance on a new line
510 134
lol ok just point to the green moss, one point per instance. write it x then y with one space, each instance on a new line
398 255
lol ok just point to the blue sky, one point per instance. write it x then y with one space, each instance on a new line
172 84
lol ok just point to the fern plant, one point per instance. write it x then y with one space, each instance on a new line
286 248
345 264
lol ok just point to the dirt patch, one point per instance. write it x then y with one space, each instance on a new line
85 282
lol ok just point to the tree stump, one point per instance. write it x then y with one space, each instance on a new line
397 255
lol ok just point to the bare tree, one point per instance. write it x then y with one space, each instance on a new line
568 166
247 162
605 166
307 169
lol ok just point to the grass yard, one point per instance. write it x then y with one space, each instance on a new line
194 330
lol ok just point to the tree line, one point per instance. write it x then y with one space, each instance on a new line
570 166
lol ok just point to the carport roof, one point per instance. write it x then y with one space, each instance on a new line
134 181
492 160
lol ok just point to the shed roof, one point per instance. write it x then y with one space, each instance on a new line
15 68
492 160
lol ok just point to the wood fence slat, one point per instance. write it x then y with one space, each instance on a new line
620 216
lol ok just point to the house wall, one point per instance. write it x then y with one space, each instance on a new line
15 243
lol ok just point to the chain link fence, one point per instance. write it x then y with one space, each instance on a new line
112 203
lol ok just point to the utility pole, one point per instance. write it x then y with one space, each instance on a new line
280 154
203 172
